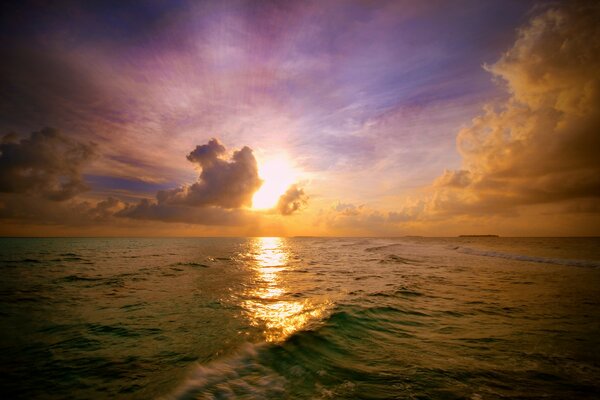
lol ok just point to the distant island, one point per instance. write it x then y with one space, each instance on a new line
478 236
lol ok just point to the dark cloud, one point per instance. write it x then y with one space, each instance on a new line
208 154
223 188
38 171
47 164
106 209
27 209
222 183
292 200
209 215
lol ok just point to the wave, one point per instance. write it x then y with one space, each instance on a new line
192 264
328 361
242 376
394 259
523 257
77 278
22 261
383 247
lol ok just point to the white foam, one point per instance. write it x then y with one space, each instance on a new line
239 377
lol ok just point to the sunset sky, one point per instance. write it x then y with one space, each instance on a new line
256 118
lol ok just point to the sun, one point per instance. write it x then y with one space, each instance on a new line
277 175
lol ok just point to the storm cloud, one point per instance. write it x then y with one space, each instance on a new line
47 164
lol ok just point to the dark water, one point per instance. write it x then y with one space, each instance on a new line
411 318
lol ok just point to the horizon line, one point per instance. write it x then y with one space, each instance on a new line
292 237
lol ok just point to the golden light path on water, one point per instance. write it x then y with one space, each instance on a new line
267 305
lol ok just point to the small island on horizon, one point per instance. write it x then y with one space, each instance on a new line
293 199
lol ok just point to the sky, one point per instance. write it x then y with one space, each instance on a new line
283 118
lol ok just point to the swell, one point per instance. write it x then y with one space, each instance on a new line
331 355
371 353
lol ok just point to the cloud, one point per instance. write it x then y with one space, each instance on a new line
292 200
106 209
222 183
209 215
541 145
40 170
348 209
47 164
223 188
365 220
533 153
459 179
410 212
27 209
355 219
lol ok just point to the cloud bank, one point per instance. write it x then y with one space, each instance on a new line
41 178
532 154
541 145
532 151
47 164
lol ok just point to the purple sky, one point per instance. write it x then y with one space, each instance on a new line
366 98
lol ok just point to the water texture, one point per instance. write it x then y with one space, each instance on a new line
300 318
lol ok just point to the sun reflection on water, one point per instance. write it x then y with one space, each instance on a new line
267 305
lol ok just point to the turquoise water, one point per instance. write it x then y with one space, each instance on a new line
308 318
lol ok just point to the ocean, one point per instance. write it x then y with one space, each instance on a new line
300 318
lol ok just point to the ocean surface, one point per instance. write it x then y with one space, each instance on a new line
300 318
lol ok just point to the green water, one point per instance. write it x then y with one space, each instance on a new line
277 318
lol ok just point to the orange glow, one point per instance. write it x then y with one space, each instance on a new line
281 317
278 174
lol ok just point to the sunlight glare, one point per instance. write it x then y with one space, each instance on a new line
278 175
267 305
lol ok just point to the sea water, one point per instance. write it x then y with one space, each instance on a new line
305 318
